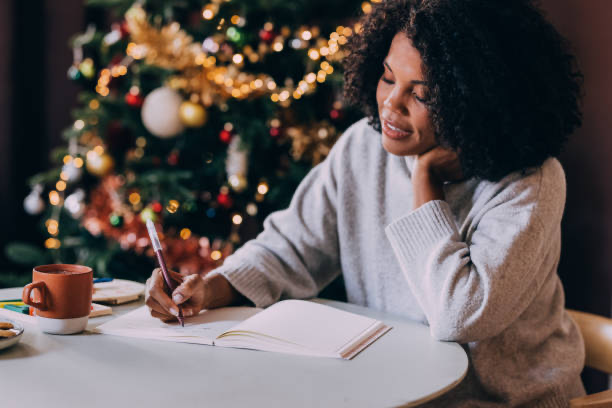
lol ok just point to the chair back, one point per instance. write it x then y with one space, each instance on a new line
597 333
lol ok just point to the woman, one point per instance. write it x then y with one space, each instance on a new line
444 204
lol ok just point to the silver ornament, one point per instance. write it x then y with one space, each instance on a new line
33 204
160 113
74 203
72 172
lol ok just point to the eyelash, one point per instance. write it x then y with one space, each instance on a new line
415 95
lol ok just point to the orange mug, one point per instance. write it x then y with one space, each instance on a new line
61 295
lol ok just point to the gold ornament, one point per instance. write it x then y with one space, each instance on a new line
192 114
100 165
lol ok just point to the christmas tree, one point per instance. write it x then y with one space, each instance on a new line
202 116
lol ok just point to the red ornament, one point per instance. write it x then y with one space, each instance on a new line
267 36
225 200
274 132
134 100
173 158
157 207
125 31
335 114
225 136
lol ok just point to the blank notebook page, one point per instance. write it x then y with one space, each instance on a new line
314 326
201 329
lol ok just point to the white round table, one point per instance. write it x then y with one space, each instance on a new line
405 367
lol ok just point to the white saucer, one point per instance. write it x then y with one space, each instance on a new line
6 342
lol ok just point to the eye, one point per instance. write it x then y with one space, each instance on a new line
385 80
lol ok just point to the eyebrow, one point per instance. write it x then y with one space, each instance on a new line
416 82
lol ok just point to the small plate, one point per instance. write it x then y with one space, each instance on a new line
6 342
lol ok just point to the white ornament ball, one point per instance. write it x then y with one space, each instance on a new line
73 173
74 203
160 113
33 203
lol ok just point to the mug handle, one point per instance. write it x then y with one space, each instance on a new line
27 290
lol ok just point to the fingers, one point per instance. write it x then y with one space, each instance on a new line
155 306
187 289
177 277
162 317
156 295
190 310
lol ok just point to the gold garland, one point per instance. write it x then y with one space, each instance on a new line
312 143
200 74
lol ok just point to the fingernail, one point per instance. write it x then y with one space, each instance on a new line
173 311
177 298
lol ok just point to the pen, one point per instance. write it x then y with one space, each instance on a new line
162 264
100 280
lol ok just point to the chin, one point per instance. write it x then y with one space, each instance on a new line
398 147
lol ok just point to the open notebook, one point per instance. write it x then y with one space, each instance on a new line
289 326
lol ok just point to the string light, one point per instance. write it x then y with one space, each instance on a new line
172 206
185 233
134 198
208 14
54 197
215 255
251 209
52 226
262 188
366 7
237 219
52 243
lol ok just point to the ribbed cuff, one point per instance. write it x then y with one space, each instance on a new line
554 401
417 231
251 283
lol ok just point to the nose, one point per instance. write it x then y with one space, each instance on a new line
395 102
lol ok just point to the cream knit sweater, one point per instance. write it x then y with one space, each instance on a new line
480 267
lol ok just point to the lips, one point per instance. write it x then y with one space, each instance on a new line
393 131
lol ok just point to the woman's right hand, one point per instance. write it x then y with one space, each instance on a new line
193 294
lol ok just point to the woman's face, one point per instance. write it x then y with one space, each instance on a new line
406 125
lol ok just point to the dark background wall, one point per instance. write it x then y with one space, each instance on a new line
36 98
586 261
35 101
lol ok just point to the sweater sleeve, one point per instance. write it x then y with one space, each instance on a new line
473 291
296 255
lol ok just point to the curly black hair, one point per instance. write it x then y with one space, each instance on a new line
504 91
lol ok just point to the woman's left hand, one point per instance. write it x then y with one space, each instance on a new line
431 170
441 163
